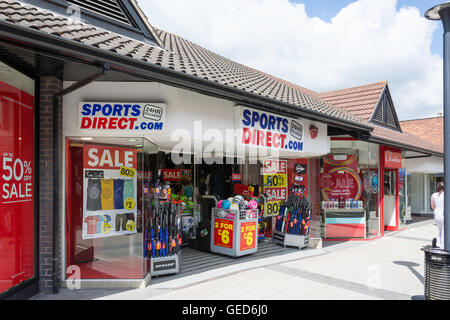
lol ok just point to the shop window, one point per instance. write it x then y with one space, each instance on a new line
108 189
17 179
350 190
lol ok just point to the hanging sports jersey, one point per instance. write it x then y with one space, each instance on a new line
107 194
118 194
94 191
109 191
92 224
128 189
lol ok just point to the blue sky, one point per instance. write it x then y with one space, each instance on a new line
280 38
327 9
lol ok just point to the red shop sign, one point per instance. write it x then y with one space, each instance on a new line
392 158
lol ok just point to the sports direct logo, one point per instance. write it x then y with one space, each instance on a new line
122 116
261 129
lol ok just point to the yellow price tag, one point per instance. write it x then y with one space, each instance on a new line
130 225
127 172
129 204
275 181
105 228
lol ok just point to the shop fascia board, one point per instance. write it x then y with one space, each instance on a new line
404 147
40 40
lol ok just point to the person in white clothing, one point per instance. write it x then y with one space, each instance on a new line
437 204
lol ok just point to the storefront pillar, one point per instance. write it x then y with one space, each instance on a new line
49 87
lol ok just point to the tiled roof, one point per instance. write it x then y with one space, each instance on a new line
431 130
179 55
406 139
360 101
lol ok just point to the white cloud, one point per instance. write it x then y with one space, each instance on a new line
366 42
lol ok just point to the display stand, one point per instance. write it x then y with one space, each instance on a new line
165 265
293 223
344 223
289 240
234 233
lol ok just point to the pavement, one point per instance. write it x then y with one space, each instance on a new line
388 268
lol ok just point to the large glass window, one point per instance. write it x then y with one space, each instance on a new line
350 190
17 166
108 202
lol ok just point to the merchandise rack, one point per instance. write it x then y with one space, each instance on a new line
234 233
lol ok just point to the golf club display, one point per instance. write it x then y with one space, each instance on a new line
293 223
165 234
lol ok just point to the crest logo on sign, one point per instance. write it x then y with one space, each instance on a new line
314 131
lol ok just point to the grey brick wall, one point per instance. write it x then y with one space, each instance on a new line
49 86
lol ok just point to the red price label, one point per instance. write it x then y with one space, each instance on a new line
223 233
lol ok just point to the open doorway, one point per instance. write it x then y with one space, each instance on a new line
390 202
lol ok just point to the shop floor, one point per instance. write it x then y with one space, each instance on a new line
195 262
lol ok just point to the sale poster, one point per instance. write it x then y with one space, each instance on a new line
176 175
275 185
17 184
110 191
340 180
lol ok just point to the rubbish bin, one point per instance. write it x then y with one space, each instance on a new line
437 274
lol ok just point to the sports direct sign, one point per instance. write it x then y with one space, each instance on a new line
268 130
123 116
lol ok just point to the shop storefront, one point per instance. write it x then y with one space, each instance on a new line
148 151
423 175
176 154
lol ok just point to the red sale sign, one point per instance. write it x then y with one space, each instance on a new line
341 179
111 158
176 175
17 186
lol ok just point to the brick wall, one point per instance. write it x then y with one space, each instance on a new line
48 88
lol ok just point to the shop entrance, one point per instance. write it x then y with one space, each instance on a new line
390 204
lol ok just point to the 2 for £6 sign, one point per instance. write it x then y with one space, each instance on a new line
248 236
223 233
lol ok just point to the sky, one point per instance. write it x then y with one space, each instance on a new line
322 45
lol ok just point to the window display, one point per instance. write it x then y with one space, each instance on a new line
110 185
106 215
350 190
17 178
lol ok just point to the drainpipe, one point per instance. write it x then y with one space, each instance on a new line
56 164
